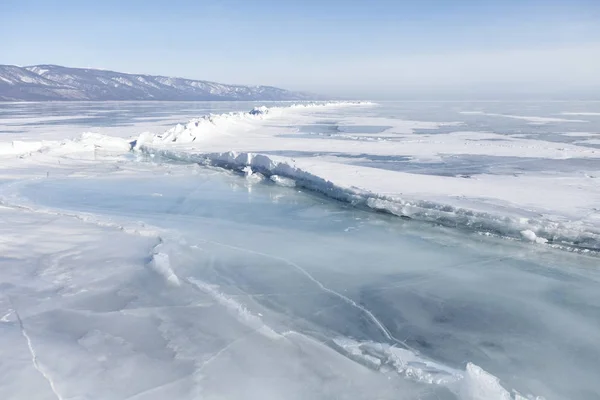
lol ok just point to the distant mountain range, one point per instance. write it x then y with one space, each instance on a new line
53 82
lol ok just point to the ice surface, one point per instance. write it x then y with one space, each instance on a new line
144 275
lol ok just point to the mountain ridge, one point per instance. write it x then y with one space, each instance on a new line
49 82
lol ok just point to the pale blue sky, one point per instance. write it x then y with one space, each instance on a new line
375 48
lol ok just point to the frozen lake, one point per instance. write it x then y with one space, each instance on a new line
144 276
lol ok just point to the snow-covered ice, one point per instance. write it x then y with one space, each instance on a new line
207 259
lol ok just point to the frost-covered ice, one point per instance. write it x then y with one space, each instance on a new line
131 268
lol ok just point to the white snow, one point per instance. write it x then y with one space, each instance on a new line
161 264
38 70
123 81
27 79
479 385
87 142
17 147
532 237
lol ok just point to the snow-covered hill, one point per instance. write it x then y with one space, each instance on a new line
53 82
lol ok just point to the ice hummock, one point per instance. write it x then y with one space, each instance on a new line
517 207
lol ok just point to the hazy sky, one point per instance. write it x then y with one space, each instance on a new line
361 48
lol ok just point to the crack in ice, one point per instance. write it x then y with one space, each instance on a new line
34 357
324 288
223 350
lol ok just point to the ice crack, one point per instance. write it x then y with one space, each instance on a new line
324 288
34 357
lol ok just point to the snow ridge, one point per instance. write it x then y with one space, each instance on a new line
212 124
569 235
